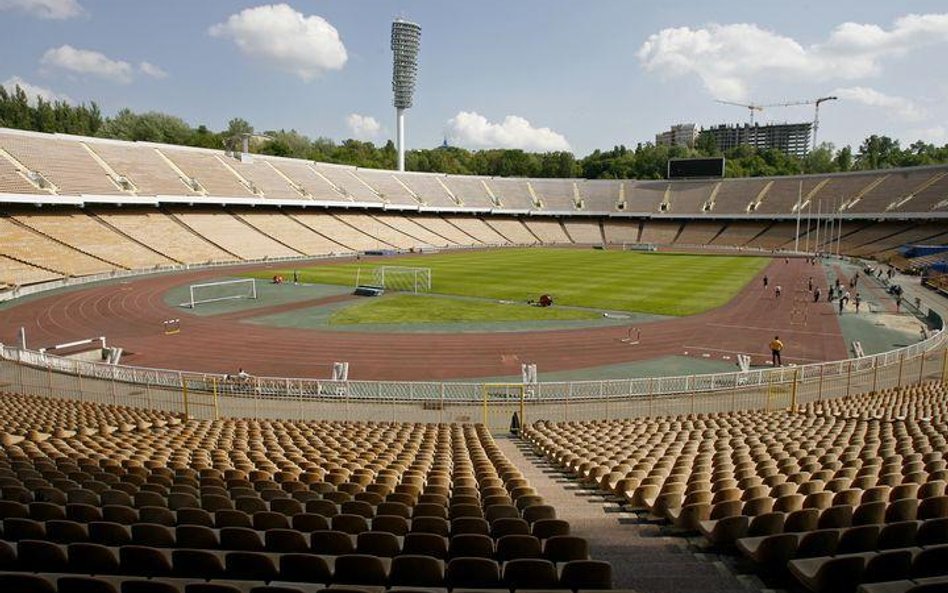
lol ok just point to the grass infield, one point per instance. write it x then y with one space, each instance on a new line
412 309
664 284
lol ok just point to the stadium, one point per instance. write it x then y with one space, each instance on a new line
227 371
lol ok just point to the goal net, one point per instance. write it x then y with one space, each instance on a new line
210 292
403 278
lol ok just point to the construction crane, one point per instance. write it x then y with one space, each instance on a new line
816 115
752 107
816 112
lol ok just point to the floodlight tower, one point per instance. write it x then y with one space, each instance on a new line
406 38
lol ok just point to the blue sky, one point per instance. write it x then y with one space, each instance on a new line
537 74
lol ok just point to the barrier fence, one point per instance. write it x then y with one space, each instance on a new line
209 396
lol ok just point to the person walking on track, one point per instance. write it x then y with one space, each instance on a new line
776 347
766 281
777 291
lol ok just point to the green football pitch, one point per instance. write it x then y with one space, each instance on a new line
665 284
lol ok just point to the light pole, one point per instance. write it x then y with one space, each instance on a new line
406 38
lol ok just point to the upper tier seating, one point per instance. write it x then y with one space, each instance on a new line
346 180
470 191
74 165
145 167
65 163
736 196
388 187
511 193
429 188
555 194
207 169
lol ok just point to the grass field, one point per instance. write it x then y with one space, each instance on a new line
411 309
666 284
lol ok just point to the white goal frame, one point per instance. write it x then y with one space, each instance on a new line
250 293
402 278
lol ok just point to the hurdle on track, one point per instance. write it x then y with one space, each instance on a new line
171 326
100 339
633 337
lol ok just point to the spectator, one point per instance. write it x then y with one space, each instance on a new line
776 347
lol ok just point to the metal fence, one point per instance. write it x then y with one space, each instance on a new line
208 396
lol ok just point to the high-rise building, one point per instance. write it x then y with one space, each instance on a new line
789 138
678 135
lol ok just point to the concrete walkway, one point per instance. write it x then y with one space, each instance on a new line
642 558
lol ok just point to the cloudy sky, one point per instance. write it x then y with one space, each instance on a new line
534 74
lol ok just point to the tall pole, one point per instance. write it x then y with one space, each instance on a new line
832 227
796 240
839 235
400 137
809 212
406 40
819 215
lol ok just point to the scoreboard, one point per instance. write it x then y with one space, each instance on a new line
695 168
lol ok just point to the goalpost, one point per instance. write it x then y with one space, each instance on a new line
209 292
402 278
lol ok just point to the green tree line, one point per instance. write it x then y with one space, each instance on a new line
645 161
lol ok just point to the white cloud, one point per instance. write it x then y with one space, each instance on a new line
727 57
33 91
903 107
473 130
937 135
363 127
149 69
84 61
303 45
44 9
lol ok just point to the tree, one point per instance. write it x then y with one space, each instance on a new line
238 126
844 159
820 160
148 127
877 152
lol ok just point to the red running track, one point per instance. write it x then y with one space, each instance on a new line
129 314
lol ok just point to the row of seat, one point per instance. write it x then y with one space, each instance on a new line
364 569
558 548
724 532
843 572
65 583
772 551
499 517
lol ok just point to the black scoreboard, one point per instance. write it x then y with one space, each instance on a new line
693 168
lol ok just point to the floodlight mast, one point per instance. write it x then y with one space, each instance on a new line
406 39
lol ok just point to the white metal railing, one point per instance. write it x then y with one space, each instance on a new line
409 391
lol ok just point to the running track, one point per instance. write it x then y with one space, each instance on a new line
130 315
